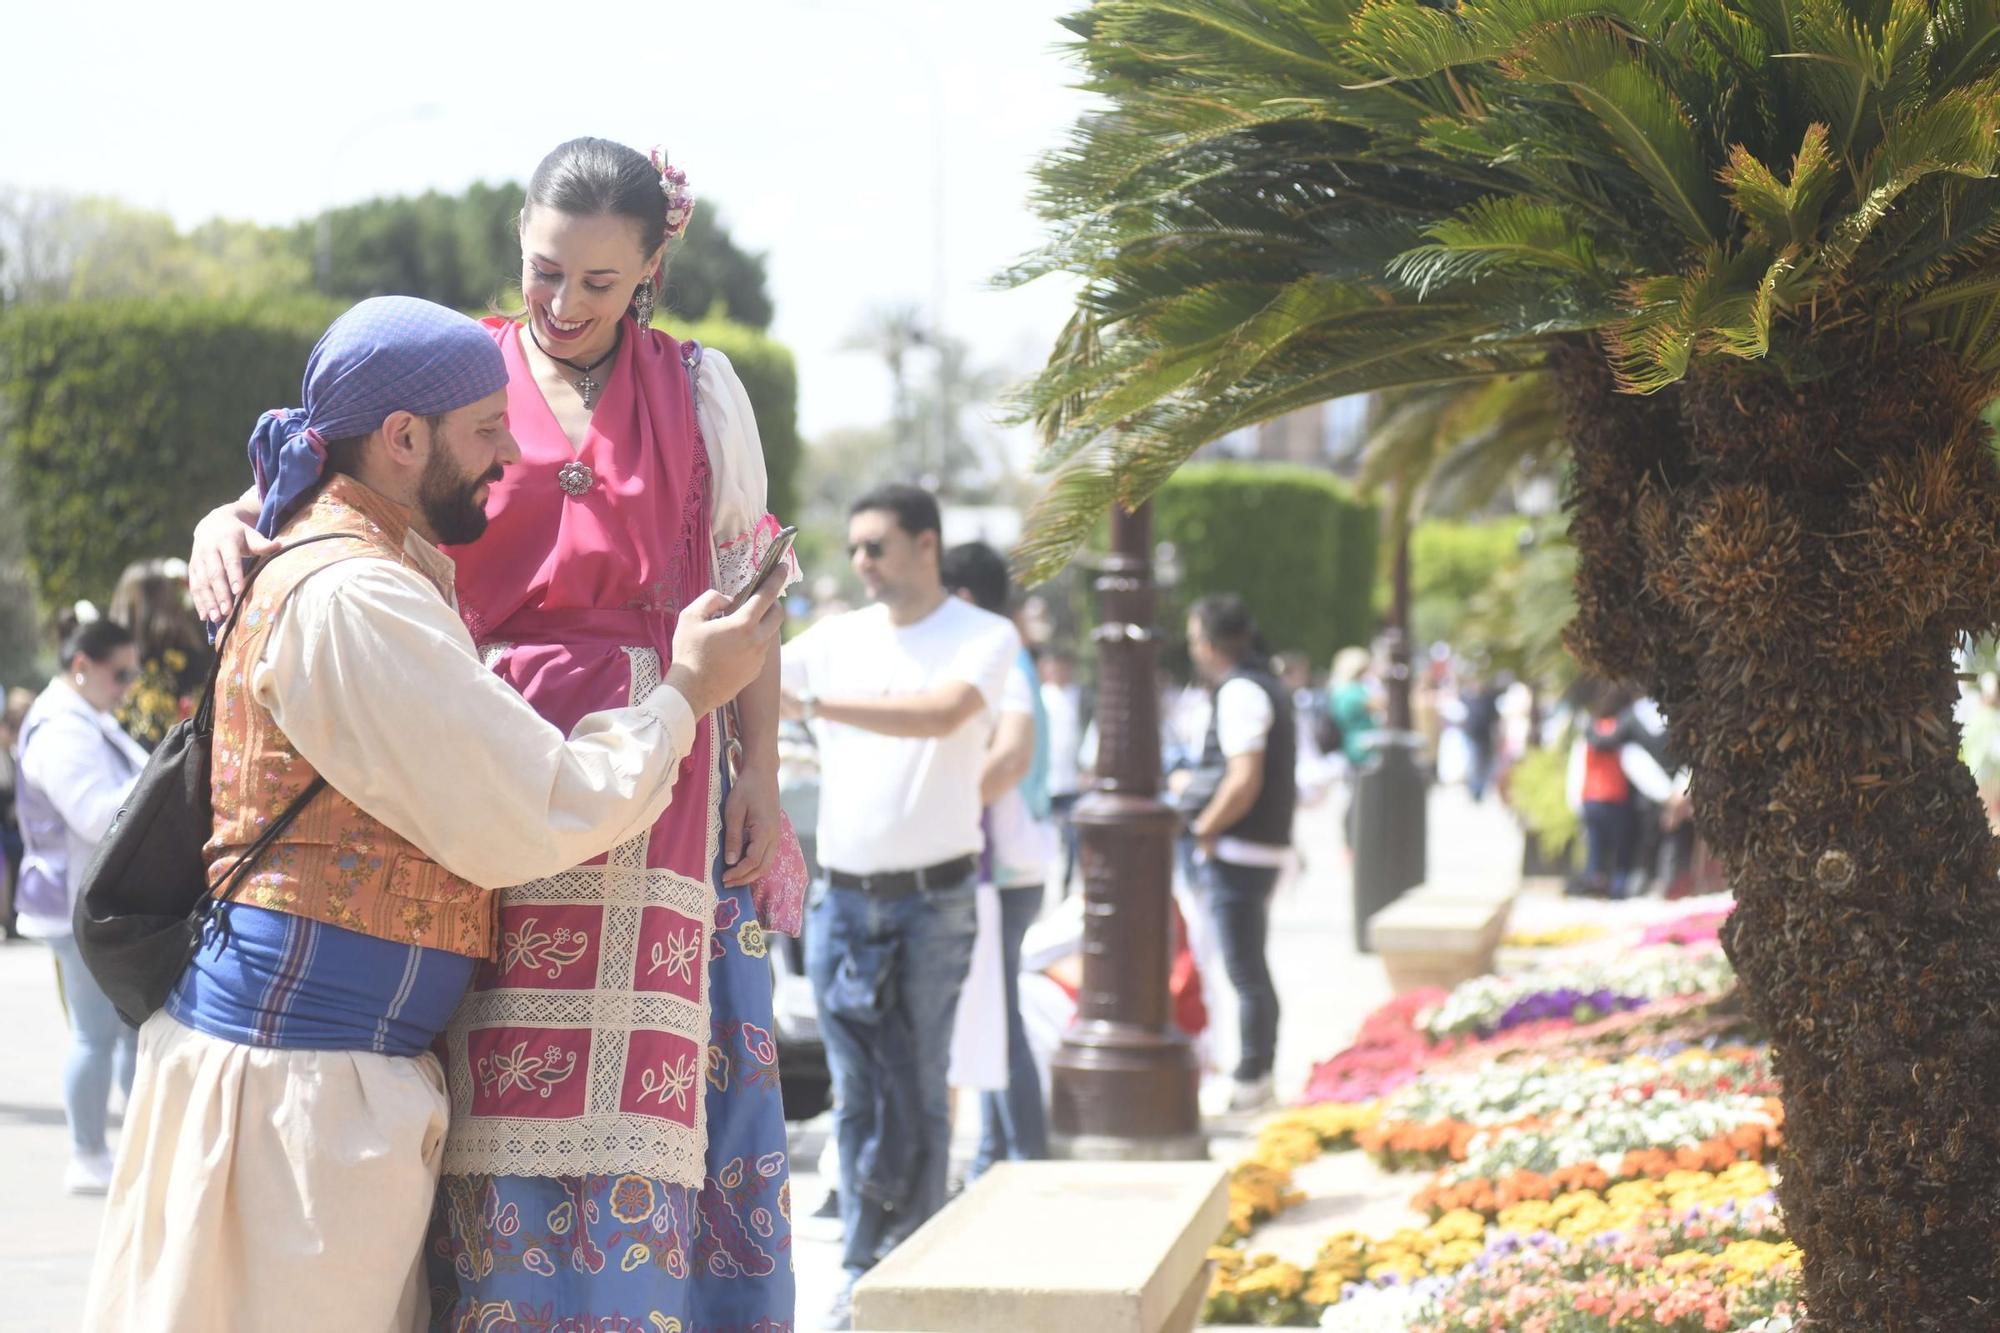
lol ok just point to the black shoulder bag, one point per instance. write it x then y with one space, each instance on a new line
145 900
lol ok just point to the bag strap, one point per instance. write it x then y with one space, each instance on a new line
225 889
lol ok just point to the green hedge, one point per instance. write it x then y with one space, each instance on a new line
1451 563
1295 543
123 423
771 378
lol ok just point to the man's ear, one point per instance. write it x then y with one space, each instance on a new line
405 439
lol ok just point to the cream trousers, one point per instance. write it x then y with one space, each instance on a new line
262 1189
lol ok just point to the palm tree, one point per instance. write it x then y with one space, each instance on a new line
1750 242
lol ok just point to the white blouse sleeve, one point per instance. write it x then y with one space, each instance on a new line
741 523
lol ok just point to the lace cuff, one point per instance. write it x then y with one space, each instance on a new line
737 559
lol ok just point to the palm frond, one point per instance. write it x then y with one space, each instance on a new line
1639 113
1785 213
1496 235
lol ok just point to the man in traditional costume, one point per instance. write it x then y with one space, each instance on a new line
284 1138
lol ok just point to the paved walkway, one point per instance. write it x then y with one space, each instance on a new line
46 1237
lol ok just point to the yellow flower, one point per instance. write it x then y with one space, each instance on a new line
1271 1277
750 938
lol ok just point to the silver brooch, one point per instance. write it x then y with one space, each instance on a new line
575 478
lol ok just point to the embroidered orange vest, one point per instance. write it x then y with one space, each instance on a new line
336 863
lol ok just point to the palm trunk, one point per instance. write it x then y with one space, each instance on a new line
1788 571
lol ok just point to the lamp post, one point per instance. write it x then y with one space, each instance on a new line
1390 792
1124 1083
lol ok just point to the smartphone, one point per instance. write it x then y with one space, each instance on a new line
774 558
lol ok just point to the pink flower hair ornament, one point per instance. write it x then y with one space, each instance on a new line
680 199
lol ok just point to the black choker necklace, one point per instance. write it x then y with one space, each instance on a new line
588 385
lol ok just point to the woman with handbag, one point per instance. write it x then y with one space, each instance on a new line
617 1147
75 767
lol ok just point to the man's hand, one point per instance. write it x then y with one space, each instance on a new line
223 544
718 653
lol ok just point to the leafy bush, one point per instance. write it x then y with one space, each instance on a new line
1536 788
1294 542
1451 563
123 423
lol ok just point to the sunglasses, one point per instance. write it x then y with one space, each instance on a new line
872 549
124 675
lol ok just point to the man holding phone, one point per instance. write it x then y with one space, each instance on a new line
902 696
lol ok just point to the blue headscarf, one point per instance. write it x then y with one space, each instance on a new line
388 354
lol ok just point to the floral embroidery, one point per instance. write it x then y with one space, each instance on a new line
750 938
539 1074
726 912
718 1068
676 954
534 948
674 1078
758 1042
632 1198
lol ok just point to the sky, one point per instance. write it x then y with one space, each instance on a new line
878 151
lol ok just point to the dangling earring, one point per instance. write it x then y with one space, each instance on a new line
78 678
644 297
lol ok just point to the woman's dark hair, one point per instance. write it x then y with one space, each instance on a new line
95 639
916 510
593 177
1226 622
978 569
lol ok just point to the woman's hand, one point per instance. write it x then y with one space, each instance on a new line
750 825
223 543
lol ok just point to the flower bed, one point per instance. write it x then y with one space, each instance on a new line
1598 1129
1579 992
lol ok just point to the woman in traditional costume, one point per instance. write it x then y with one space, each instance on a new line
616 1157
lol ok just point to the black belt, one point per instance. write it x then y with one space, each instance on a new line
903 883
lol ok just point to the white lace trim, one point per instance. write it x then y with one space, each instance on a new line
738 560
603 1139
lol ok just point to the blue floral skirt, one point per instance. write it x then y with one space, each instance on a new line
632 1253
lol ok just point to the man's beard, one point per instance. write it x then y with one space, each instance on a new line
445 498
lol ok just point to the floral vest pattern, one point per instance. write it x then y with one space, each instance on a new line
336 863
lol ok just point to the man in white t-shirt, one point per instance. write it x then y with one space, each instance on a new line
1243 829
902 696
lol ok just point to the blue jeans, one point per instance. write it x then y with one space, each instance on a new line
920 948
1239 900
100 1047
1014 1125
1610 828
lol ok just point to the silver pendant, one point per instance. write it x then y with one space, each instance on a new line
588 388
575 478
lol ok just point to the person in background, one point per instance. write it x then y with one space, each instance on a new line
1350 698
1310 720
16 702
1014 787
1063 705
1608 772
74 767
903 697
152 600
1482 732
1243 831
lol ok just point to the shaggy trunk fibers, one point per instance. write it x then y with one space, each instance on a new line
1787 571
